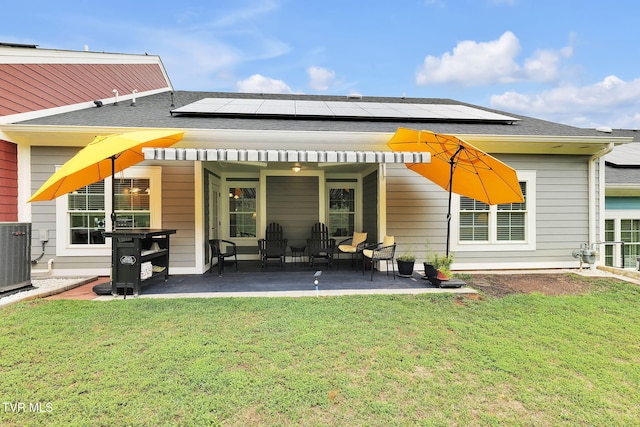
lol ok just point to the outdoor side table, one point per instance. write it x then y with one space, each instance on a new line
130 249
297 252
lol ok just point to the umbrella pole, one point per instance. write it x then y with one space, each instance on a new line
452 162
113 192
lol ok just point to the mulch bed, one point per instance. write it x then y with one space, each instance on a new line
499 285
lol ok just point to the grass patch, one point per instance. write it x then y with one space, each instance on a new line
353 360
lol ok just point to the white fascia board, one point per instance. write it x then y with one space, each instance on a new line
542 144
13 55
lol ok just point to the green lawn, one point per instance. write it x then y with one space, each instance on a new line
354 360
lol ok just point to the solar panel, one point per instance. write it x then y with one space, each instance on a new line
338 109
277 107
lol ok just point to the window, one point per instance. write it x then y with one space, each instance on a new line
511 217
132 196
87 215
509 226
630 235
242 212
618 230
342 211
510 220
474 220
609 236
83 215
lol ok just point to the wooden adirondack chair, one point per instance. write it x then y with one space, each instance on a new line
320 245
274 245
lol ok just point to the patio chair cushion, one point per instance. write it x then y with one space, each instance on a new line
386 241
355 241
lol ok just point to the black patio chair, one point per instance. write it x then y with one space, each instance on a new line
273 246
384 251
320 246
220 253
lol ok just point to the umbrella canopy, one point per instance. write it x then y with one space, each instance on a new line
101 158
475 173
94 162
459 167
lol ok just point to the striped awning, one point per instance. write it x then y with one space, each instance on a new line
311 156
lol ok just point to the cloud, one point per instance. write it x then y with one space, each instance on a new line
615 103
250 13
494 62
208 54
261 84
320 78
208 61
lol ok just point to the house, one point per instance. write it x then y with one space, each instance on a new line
622 202
247 160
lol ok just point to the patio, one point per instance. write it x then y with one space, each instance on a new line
292 280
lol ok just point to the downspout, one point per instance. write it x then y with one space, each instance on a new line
595 217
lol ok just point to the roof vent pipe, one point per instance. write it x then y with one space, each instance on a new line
133 97
115 91
604 129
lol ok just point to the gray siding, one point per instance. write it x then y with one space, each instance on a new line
417 208
177 211
43 214
293 201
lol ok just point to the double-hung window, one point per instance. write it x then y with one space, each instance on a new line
509 226
86 211
342 211
242 211
83 215
132 200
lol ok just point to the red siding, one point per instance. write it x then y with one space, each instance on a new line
8 182
33 87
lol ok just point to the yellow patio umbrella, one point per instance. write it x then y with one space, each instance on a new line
459 167
103 157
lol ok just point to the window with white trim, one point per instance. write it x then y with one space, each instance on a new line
132 200
242 211
343 205
342 211
83 215
622 227
510 223
87 215
509 226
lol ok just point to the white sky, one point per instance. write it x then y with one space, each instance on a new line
572 62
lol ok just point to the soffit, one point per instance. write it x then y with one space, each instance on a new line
34 135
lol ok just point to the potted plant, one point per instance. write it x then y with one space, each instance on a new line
437 267
405 263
